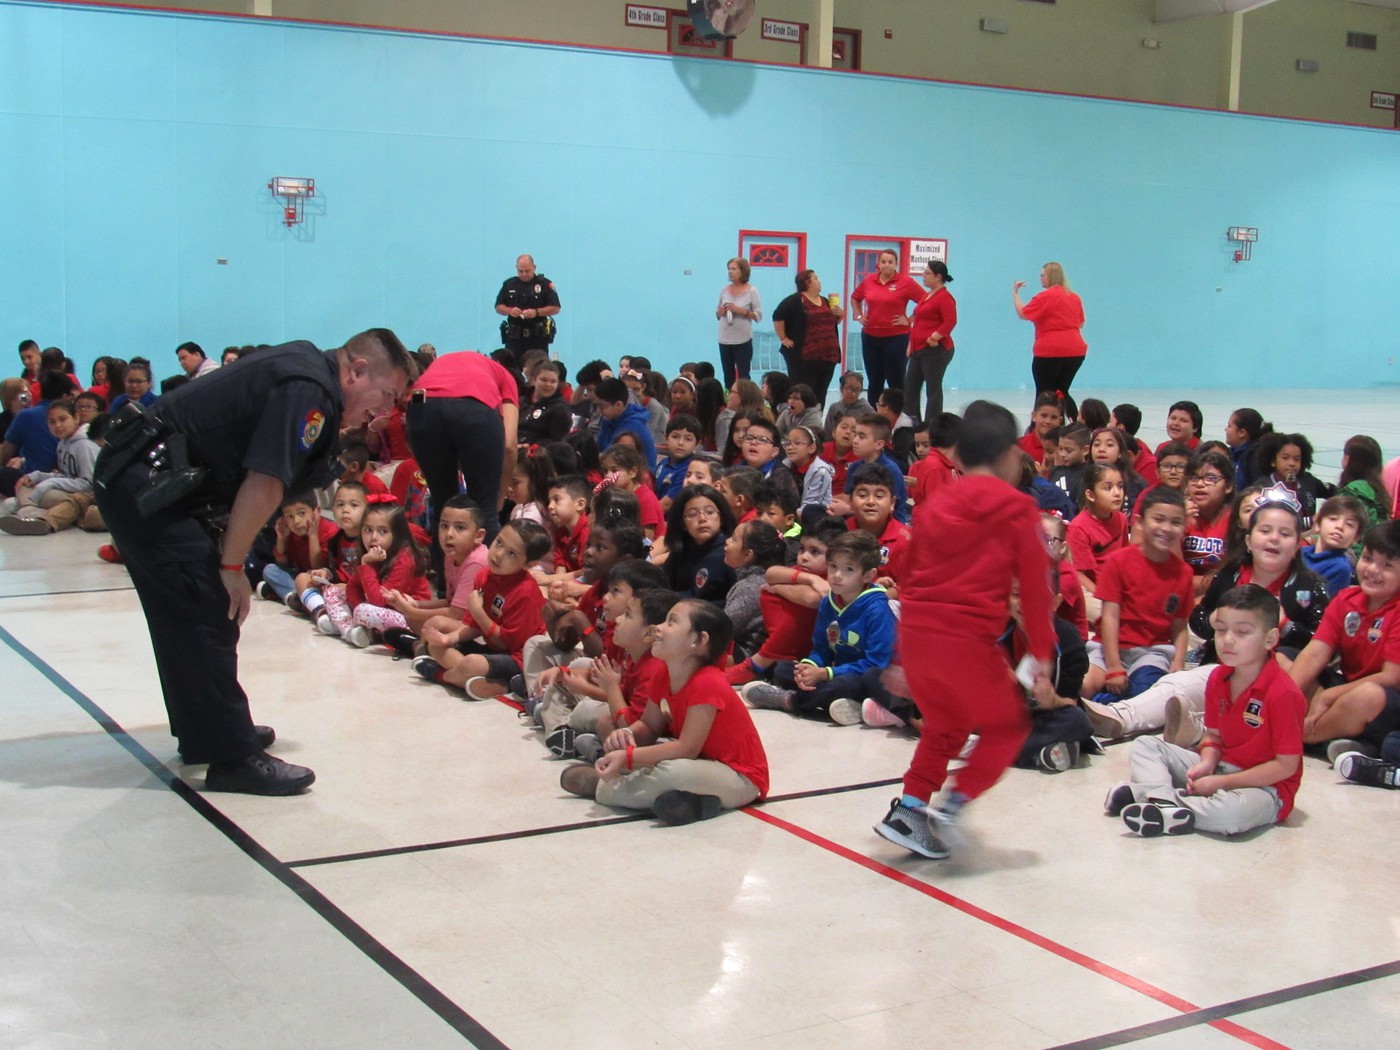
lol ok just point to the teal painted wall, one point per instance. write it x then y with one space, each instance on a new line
136 148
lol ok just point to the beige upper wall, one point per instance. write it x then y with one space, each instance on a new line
1091 47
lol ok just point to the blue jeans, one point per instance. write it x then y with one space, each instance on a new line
279 579
1138 682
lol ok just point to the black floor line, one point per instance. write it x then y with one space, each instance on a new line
414 982
54 594
552 829
1262 1001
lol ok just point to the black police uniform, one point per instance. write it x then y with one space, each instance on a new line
276 412
533 333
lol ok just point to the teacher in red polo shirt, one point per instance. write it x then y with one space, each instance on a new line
1058 315
880 304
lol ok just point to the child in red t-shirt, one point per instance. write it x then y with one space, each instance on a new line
872 510
939 467
1360 706
302 538
1047 415
1099 529
390 562
568 512
342 553
1251 760
1147 597
482 655
706 756
1210 487
354 458
789 599
624 466
840 452
633 677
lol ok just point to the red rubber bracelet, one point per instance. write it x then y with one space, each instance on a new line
230 568
630 749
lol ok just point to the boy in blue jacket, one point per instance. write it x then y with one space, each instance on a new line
852 640
622 415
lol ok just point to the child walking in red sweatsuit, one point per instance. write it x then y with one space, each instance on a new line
972 542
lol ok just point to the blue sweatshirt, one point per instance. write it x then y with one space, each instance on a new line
854 639
1334 567
670 477
635 419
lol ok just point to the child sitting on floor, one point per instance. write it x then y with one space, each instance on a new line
342 553
631 678
1251 760
1340 521
302 536
706 756
47 501
852 638
1146 596
462 539
482 654
390 561
754 548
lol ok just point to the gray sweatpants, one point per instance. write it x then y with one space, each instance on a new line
1158 772
640 788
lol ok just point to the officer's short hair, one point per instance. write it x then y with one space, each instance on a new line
383 350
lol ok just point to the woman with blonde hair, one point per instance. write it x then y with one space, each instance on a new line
1058 316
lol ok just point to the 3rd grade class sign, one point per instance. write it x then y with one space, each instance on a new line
786 31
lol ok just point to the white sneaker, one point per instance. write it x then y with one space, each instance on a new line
360 636
878 716
844 712
325 626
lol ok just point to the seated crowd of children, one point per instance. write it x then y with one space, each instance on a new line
636 604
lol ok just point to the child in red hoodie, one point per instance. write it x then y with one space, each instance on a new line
972 541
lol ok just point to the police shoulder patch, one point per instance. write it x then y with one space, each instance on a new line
311 428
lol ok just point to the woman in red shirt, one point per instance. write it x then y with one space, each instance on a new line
1058 315
930 343
881 308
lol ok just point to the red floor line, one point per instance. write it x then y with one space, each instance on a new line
1016 930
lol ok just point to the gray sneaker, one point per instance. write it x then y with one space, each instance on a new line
1337 748
25 524
588 747
915 830
1181 727
763 696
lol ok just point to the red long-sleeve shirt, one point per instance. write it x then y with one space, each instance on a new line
971 540
367 586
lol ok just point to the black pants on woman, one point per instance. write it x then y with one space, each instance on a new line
884 357
926 367
1051 374
451 434
817 375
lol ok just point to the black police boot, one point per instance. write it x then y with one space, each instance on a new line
259 774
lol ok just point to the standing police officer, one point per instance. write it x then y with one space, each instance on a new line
185 488
528 302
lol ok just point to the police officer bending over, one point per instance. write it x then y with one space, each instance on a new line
185 487
528 302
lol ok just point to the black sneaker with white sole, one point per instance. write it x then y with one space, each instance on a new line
1150 819
561 743
914 830
1119 798
1362 769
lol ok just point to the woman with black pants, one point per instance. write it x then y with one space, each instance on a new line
806 323
1058 315
930 343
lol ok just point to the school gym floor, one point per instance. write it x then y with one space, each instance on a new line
436 888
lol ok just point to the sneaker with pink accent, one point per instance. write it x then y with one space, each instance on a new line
874 714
